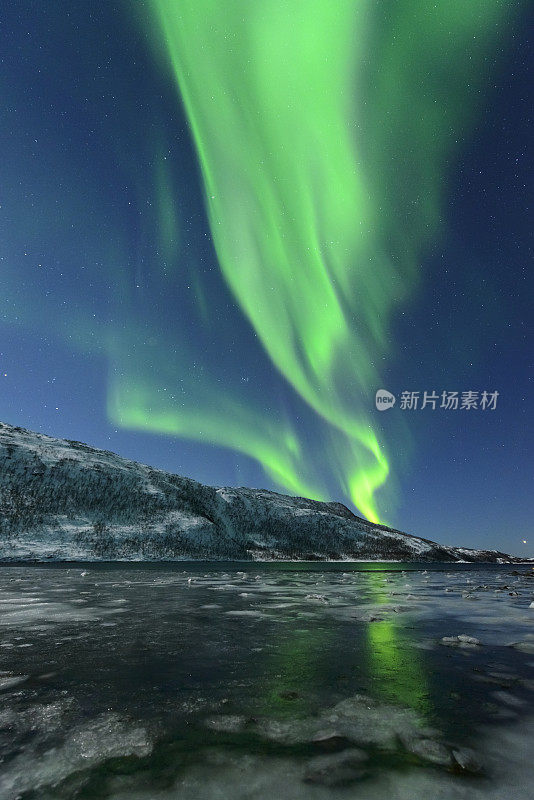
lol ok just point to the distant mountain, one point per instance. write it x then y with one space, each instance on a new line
62 500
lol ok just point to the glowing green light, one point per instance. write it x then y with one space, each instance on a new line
323 131
219 420
396 670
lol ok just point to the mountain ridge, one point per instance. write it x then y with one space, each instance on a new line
63 500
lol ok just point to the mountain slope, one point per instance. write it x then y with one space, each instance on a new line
64 500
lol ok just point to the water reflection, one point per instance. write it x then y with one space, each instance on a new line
299 668
396 667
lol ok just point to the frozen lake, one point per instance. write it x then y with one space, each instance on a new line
191 681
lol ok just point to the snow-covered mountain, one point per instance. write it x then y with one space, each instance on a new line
64 500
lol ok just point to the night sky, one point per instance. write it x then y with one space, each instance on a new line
225 226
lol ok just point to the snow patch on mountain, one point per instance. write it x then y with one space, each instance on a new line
65 500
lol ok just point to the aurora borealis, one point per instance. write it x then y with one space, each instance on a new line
276 99
228 214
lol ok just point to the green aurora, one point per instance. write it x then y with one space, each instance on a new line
323 133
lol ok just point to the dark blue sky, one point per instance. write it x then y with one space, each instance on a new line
86 106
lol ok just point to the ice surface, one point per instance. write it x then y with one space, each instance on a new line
230 776
85 746
204 681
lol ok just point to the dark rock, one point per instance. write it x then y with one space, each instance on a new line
329 739
289 694
338 769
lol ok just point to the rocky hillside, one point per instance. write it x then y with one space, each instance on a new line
63 500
